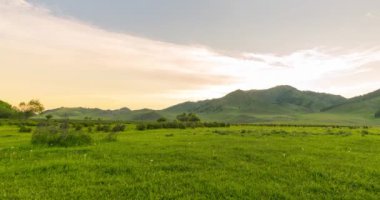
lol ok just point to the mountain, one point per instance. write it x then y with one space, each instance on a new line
96 113
6 110
80 113
365 105
277 100
278 104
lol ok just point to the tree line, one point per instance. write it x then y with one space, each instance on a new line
183 121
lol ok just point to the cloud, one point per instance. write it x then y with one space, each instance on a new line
64 55
65 62
371 15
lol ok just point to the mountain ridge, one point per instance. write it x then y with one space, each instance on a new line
279 97
367 104
282 103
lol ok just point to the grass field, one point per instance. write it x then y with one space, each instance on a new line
240 162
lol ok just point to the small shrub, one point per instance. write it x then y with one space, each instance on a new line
111 137
341 133
78 127
64 125
279 132
24 129
103 128
178 125
140 127
181 126
364 132
222 132
55 136
118 128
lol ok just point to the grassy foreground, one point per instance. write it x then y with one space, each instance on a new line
245 162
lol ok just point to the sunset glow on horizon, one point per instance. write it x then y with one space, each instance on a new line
64 61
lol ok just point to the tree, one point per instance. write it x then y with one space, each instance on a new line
162 119
48 117
190 117
33 107
182 117
193 118
6 110
377 114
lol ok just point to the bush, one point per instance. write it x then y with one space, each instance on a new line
179 125
104 128
111 137
377 114
364 132
162 119
188 117
55 136
78 127
118 128
222 132
24 129
140 127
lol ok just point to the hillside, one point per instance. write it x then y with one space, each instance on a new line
6 110
366 105
278 104
96 113
277 100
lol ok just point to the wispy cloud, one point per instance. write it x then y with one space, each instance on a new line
66 62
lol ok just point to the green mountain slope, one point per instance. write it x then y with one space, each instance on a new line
277 100
365 105
95 113
283 104
6 110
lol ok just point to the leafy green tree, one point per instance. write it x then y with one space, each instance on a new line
48 117
377 114
161 119
182 117
6 110
33 107
190 117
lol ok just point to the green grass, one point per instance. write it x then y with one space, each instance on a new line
242 162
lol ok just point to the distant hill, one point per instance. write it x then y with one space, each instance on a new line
277 100
96 113
6 110
365 105
80 113
279 104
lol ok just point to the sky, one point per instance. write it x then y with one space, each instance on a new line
156 53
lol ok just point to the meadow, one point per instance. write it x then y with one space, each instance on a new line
237 162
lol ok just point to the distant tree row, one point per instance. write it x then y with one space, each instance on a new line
183 121
178 125
188 117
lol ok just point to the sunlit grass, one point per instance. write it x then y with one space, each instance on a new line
240 162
